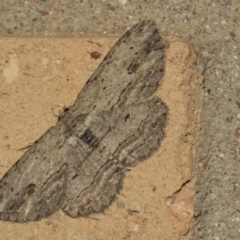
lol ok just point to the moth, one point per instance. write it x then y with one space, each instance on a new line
115 123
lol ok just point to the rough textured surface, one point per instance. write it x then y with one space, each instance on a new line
115 123
155 201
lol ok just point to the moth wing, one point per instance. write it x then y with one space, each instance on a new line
130 72
99 153
34 186
141 130
97 195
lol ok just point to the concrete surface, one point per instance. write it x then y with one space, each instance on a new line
213 29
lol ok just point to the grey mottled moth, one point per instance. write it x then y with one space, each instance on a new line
116 122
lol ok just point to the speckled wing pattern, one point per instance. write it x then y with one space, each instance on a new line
116 122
